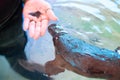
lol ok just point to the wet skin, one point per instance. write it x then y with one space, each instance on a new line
83 58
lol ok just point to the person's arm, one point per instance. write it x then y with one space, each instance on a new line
37 14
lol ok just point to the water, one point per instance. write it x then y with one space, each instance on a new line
99 17
97 22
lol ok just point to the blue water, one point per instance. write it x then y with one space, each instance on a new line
95 21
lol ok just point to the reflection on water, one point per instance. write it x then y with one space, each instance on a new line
95 21
91 10
110 5
100 17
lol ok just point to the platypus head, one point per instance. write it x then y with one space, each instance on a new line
55 29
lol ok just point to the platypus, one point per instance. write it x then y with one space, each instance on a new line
81 57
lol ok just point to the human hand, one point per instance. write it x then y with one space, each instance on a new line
37 14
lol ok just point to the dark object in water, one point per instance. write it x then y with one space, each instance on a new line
32 71
80 57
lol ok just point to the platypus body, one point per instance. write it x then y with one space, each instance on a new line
81 57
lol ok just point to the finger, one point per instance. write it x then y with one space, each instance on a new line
32 28
39 19
26 23
32 18
51 15
44 25
37 30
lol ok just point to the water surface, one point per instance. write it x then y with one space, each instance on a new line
94 21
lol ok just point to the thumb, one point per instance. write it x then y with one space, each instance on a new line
51 15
